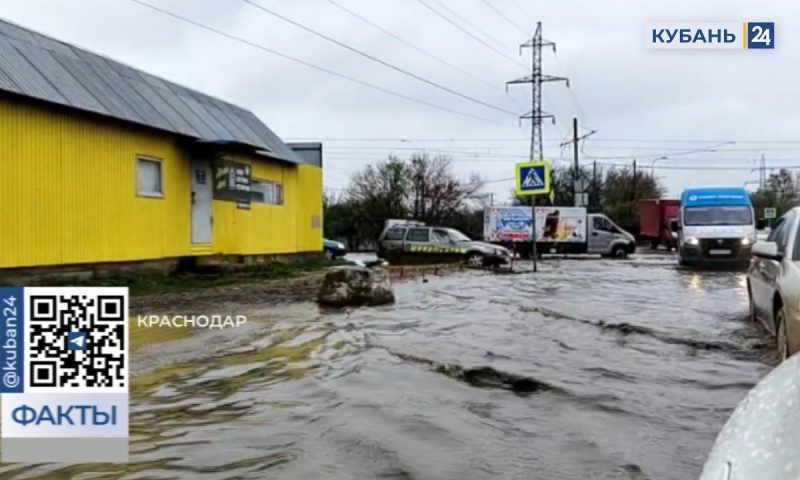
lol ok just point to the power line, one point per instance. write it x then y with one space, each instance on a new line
524 12
573 97
687 140
483 42
525 140
415 47
461 154
309 64
469 24
504 17
664 156
711 168
410 139
377 60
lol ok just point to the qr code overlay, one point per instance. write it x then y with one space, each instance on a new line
76 340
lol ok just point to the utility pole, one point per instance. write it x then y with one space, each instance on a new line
635 183
594 201
577 184
575 168
536 78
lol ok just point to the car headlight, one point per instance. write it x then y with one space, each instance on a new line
747 241
691 241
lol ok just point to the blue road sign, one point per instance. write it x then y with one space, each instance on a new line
532 178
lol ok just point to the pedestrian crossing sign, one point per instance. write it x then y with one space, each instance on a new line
532 178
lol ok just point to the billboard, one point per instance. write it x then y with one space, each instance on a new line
553 224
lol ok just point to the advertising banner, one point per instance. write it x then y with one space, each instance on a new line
553 224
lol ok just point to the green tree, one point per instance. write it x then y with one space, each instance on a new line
781 191
620 194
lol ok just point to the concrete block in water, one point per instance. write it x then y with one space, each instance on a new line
356 286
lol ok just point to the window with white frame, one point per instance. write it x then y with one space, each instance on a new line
149 177
265 191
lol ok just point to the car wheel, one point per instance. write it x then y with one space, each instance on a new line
475 260
329 255
781 337
619 252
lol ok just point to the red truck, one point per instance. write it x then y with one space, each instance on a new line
658 219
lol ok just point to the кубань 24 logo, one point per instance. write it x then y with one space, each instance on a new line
714 35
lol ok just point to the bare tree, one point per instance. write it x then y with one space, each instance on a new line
382 188
423 188
435 193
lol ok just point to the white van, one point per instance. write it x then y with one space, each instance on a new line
717 226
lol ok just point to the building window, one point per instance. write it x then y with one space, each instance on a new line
265 191
149 177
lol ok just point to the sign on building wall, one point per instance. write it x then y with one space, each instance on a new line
231 181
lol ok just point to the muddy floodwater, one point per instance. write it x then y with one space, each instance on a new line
591 369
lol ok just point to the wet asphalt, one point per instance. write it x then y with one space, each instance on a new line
589 369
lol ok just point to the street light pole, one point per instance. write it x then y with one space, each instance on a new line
653 165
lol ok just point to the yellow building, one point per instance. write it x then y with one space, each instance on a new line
103 163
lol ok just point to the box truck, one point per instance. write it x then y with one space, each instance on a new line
658 221
558 230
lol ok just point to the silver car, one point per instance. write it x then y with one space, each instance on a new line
421 243
773 283
760 440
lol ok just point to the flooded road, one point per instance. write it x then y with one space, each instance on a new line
591 369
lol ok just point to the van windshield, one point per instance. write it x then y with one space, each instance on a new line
739 215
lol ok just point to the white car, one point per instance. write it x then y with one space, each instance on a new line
773 283
760 440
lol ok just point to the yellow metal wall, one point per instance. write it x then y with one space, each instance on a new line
267 228
68 195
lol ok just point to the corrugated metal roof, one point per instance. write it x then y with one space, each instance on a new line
40 67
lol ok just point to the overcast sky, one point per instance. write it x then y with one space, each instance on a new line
643 103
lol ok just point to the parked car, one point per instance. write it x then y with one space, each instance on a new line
421 243
760 440
773 283
333 249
